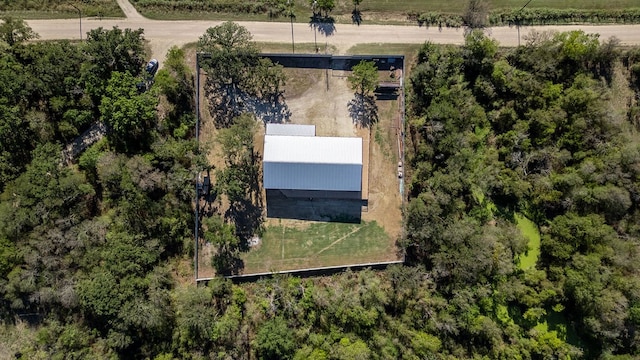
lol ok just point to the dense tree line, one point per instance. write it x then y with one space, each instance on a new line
528 16
533 130
84 247
92 254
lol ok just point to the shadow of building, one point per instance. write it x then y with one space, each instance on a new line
315 205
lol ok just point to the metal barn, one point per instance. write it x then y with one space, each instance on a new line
313 166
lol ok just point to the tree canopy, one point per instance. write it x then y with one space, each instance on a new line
236 76
95 252
15 31
364 77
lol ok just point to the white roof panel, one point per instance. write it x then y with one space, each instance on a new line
291 129
312 149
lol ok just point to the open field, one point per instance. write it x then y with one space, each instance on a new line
300 48
458 6
318 245
373 11
60 9
530 232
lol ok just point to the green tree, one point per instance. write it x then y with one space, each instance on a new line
476 15
276 8
238 178
176 83
15 146
275 340
223 237
236 76
363 81
364 77
478 52
15 31
129 115
110 51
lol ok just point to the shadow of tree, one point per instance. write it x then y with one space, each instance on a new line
325 25
247 213
223 103
248 219
273 109
356 17
363 110
227 102
227 262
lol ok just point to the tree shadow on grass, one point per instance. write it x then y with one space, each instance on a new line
271 110
325 25
228 262
363 110
247 216
247 213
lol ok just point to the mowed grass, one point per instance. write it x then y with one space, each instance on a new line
319 245
384 49
530 231
300 48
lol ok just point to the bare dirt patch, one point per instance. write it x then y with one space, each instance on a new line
320 97
323 104
384 186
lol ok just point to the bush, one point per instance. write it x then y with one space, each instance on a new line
539 16
219 6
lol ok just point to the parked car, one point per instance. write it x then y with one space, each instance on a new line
152 67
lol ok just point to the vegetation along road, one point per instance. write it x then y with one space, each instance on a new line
164 34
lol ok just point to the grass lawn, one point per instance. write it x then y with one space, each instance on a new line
384 49
318 245
301 48
530 231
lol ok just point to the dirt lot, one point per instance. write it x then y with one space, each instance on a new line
321 97
323 103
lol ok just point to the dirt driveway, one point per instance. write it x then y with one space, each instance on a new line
320 97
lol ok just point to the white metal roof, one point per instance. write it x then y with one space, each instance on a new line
312 149
291 129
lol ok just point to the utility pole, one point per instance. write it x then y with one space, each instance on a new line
518 20
315 25
291 16
79 18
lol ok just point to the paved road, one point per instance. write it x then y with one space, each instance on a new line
163 34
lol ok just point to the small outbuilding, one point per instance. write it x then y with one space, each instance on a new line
291 130
313 166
